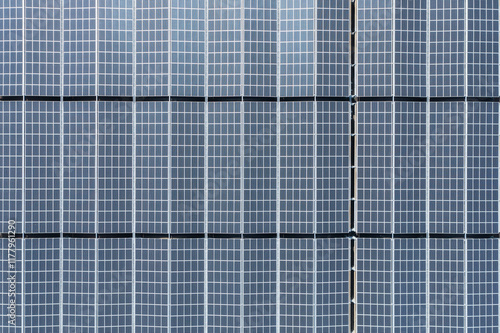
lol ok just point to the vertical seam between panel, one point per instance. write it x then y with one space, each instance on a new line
427 165
169 169
169 279
23 198
96 170
393 112
242 166
466 105
134 154
393 151
205 172
278 163
392 283
315 173
352 126
61 166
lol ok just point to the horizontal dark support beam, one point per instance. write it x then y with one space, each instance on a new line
447 99
78 235
252 235
332 99
270 235
152 99
115 235
193 235
11 98
410 99
43 235
417 235
115 98
187 99
483 99
373 99
252 98
79 98
292 235
482 236
220 235
225 99
297 99
43 98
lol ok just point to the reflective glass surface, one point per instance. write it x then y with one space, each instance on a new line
249 165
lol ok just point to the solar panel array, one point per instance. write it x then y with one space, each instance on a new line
240 165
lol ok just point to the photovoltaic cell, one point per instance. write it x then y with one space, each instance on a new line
446 285
224 48
115 48
114 308
447 47
43 48
482 167
224 167
410 167
224 285
188 47
482 284
42 269
296 285
374 167
410 48
11 46
260 33
114 166
332 167
152 43
152 167
373 285
260 153
297 47
409 285
446 197
259 264
187 285
482 48
188 172
152 285
332 48
332 285
43 156
79 284
5 286
79 166
374 47
297 167
11 163
79 24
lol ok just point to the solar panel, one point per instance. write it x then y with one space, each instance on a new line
240 165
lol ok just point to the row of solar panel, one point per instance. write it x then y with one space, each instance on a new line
90 47
83 284
431 285
405 284
79 163
83 151
439 159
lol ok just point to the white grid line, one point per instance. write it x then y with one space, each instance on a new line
61 174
